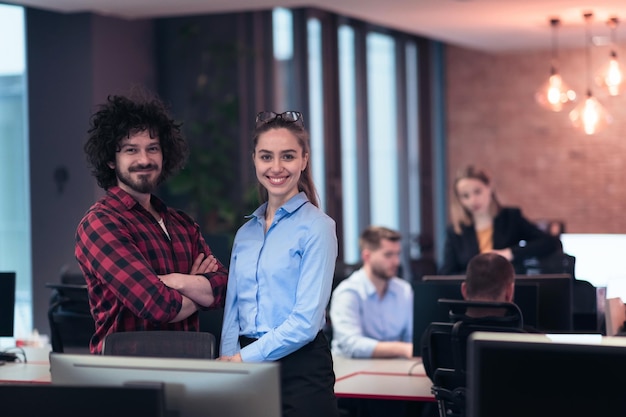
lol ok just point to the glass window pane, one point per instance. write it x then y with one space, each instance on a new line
413 147
383 159
282 24
282 35
347 102
315 122
15 237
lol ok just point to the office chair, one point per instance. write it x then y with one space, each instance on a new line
69 318
444 348
161 343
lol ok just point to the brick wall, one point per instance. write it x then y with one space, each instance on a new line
538 160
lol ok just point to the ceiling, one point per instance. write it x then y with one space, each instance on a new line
488 25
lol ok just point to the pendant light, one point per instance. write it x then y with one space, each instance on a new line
611 76
554 93
589 115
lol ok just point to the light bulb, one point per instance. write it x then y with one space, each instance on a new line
611 77
590 115
554 93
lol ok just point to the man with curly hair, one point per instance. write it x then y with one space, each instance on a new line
147 266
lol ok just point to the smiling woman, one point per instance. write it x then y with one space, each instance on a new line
281 272
14 166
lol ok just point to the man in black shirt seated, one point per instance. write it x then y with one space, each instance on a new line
490 278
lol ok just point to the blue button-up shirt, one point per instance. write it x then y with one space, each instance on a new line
279 282
361 319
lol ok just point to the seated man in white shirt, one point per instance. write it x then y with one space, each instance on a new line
371 311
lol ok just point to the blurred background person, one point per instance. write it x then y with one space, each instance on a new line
371 311
480 224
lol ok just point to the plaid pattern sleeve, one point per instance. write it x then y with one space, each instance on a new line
121 249
219 278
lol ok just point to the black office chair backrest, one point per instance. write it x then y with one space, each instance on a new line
69 317
161 343
444 349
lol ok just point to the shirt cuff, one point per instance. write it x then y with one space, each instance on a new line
252 353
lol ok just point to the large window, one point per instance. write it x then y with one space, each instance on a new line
349 170
316 103
382 130
15 236
366 100
412 147
286 89
282 25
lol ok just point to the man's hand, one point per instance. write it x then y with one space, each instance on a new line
204 265
192 285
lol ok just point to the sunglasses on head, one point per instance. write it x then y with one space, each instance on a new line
288 116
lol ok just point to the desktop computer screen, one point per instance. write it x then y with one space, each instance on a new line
7 303
545 301
554 301
38 400
550 311
426 308
193 387
521 375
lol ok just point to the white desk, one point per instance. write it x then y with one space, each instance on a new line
396 379
35 370
25 372
389 379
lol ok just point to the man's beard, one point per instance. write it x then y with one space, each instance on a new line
142 185
382 273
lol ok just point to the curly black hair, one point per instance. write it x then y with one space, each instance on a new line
121 117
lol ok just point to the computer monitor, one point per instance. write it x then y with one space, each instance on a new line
542 375
426 308
7 303
544 299
554 301
193 387
38 400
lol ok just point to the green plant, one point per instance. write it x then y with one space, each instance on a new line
207 181
208 187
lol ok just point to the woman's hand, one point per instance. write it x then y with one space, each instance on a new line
234 358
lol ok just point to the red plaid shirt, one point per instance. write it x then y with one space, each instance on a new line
121 249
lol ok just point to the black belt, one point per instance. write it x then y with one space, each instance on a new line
245 341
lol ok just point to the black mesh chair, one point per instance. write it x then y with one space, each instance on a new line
444 348
161 343
69 317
